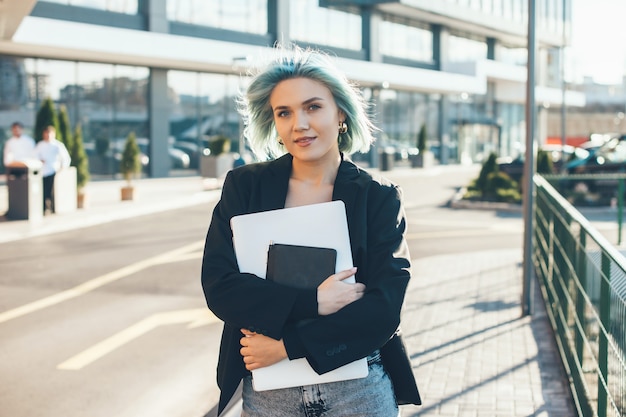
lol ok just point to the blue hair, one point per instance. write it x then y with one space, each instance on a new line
295 62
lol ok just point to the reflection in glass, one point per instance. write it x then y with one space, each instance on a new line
515 56
110 102
203 106
248 16
466 49
404 41
400 116
323 26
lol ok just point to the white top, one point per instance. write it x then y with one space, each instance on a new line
19 149
54 156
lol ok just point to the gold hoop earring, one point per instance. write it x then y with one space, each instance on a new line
280 141
343 128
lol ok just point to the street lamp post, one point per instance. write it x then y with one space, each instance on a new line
529 166
563 87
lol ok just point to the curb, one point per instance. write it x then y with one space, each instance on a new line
457 202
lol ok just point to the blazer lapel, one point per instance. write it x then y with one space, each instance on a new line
275 184
346 185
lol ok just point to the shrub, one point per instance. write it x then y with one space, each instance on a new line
422 140
493 185
544 163
64 134
130 164
490 166
79 158
46 116
219 145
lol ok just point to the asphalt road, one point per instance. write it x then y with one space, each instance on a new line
111 321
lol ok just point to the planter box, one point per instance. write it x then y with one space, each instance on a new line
65 191
423 160
216 166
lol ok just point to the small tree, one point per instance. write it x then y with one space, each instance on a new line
544 162
79 159
46 116
219 144
130 164
490 166
492 184
65 129
422 140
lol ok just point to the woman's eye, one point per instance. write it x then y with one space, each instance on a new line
283 113
314 107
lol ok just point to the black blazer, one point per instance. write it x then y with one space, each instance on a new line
376 225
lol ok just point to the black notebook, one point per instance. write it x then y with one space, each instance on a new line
299 266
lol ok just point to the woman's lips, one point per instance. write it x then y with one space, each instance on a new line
304 141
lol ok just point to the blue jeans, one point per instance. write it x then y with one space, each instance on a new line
371 396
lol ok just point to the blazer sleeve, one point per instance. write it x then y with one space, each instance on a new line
245 300
384 266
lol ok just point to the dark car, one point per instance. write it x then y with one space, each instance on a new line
514 167
610 158
192 150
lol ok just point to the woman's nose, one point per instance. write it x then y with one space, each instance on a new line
301 122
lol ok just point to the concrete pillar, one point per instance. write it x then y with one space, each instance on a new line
370 29
278 21
155 15
443 126
158 111
441 46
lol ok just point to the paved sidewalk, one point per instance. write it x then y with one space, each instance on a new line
105 205
473 355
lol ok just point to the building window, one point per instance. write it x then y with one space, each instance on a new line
515 56
403 41
466 49
248 16
202 106
119 6
322 26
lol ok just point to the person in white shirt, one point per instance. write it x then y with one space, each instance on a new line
55 157
19 147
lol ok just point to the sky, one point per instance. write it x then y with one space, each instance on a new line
598 41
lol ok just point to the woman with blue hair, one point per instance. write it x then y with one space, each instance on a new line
303 117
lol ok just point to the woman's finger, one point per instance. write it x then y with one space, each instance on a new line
347 273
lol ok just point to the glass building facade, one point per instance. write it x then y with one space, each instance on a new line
453 73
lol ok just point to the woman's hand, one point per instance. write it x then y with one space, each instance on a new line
259 351
334 293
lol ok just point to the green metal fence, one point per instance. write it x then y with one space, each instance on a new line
583 280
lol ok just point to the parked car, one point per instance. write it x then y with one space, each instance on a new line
109 163
178 159
596 140
607 159
192 150
610 157
559 155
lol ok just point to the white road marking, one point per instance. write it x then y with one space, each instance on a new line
98 282
196 318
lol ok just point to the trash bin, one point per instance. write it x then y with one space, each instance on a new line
25 189
387 158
